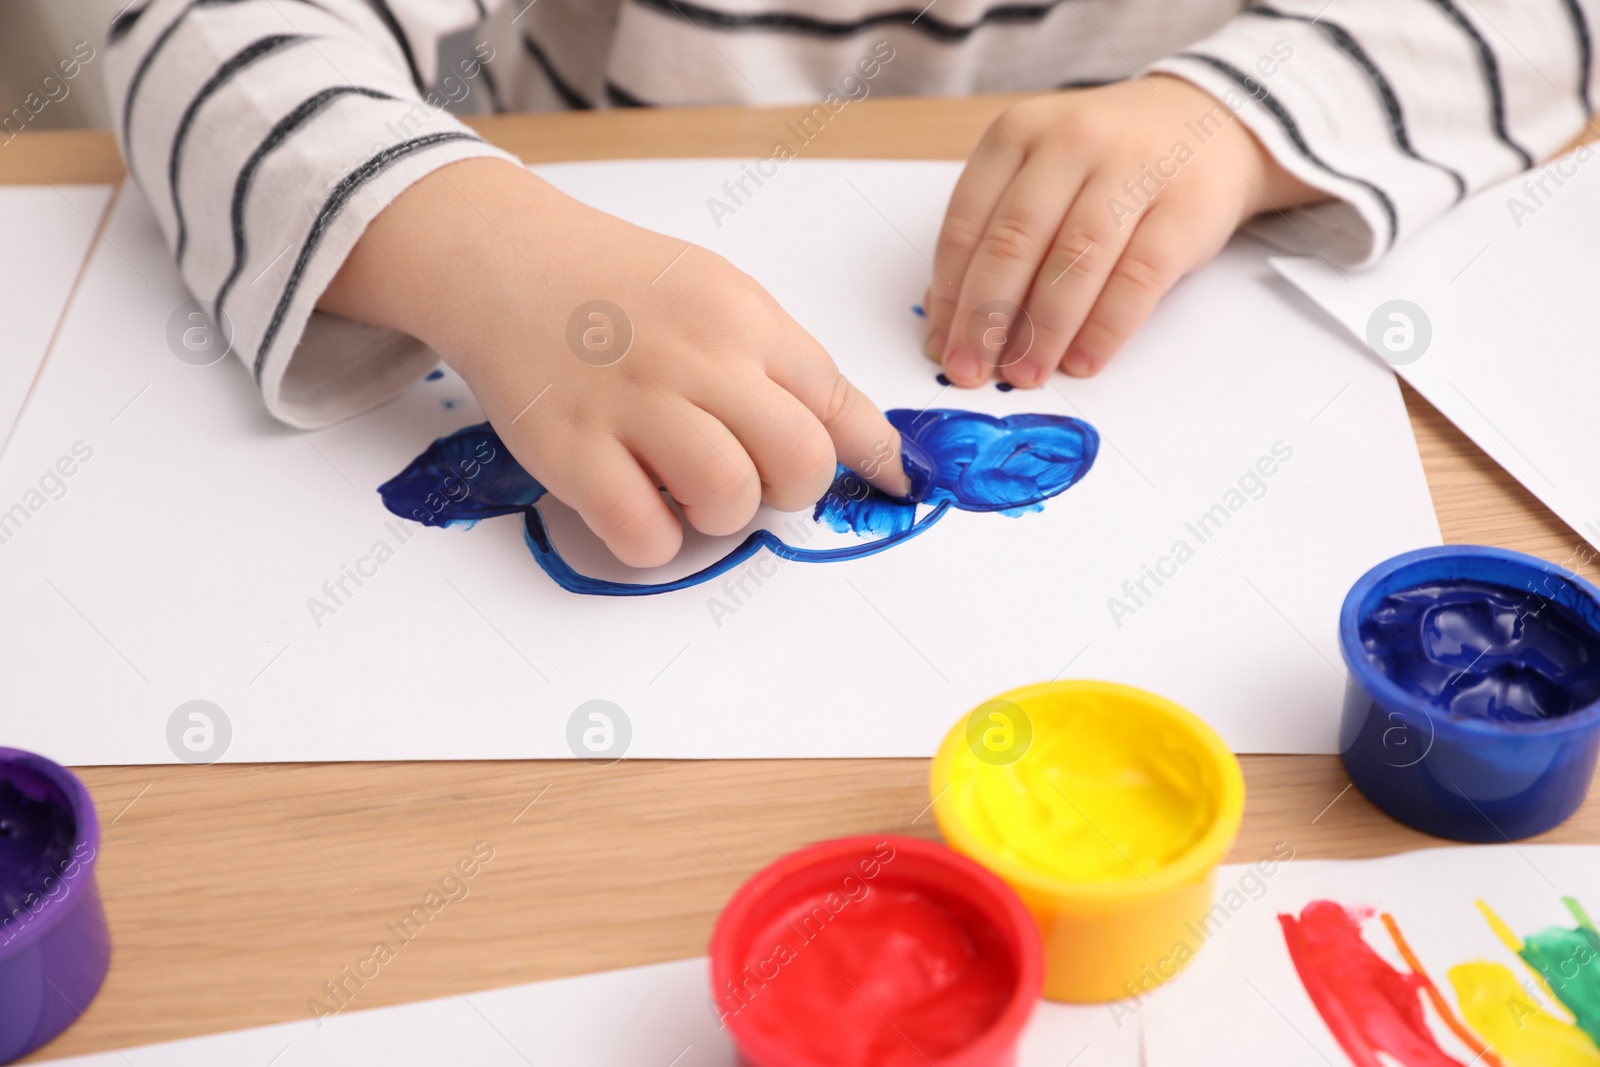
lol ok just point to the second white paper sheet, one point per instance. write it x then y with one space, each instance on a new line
1497 326
1253 464
48 230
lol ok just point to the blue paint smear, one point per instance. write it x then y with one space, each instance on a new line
1004 387
434 375
1482 651
448 404
982 463
941 379
916 309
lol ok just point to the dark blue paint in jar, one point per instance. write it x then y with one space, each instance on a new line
1473 705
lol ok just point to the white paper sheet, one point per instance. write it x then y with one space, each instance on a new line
1241 1000
47 230
1506 284
182 561
653 1016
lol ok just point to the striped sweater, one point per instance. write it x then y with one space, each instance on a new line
266 134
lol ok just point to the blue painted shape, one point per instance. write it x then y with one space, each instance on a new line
1454 745
1004 387
434 375
941 379
917 310
921 470
999 463
955 460
460 479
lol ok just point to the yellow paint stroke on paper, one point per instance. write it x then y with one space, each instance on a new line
1514 1024
1511 941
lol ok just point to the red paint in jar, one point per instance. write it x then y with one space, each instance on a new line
875 952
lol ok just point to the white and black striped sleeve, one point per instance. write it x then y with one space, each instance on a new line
1396 108
266 135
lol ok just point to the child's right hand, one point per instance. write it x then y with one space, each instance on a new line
691 377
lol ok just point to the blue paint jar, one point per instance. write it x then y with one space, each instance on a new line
1473 705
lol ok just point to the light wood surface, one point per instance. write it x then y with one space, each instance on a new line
235 892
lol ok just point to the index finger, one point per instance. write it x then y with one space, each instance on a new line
863 438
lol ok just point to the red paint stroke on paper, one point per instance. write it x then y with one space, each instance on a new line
1368 1006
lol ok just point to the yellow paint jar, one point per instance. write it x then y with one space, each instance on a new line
1107 810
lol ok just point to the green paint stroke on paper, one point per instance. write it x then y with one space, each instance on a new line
1569 960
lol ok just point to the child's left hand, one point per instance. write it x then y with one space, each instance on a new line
1034 224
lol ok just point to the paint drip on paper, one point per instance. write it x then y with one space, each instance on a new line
1009 464
1380 1014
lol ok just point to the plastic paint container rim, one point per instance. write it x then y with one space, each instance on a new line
1195 863
1010 919
1426 563
86 832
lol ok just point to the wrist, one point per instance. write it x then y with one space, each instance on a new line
1274 188
1266 185
453 244
1270 187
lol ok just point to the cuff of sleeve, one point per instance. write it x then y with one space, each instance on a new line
314 368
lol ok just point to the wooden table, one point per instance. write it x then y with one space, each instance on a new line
235 892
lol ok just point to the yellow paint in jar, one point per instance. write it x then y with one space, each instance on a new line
1107 809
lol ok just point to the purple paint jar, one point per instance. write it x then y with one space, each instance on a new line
54 943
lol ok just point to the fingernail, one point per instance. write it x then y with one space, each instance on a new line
919 468
961 367
1078 364
933 344
1026 375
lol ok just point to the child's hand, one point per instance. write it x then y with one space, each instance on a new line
690 376
1082 209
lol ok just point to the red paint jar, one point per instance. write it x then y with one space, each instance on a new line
875 952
